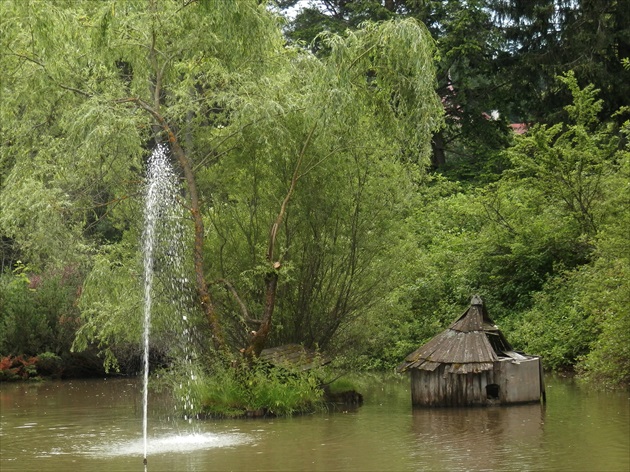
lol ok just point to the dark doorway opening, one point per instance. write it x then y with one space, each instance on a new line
492 391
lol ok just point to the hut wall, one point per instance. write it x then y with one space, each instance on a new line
511 381
438 388
519 382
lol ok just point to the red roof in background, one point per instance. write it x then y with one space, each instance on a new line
519 128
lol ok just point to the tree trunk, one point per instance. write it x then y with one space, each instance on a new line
259 337
195 210
438 156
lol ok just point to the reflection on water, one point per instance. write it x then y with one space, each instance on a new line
96 426
491 438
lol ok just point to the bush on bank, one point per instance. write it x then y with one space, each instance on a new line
38 312
258 390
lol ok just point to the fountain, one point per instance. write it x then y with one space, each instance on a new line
168 293
93 425
160 241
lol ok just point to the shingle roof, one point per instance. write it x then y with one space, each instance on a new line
465 346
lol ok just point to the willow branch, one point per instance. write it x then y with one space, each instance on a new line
43 66
287 198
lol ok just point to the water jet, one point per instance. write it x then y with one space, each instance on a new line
160 211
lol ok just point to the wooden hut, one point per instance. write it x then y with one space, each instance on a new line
472 363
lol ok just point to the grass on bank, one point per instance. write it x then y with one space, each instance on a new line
221 391
256 391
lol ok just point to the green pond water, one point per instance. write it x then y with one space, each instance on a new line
96 425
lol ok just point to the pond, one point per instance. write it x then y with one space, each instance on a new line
95 425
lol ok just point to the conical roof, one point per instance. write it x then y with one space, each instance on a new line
471 344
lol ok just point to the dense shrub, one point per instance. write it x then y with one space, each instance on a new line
22 367
556 328
38 312
255 391
49 365
17 368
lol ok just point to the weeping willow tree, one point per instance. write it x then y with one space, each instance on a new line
294 170
337 158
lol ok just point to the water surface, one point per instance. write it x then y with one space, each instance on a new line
96 425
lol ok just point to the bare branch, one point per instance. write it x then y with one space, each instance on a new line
241 305
287 198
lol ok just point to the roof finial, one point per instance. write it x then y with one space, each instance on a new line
476 300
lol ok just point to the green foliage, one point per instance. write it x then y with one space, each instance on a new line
343 384
20 320
60 193
556 328
468 42
38 312
73 150
111 304
376 257
590 38
605 295
49 365
496 55
543 246
257 390
604 285
352 127
581 320
567 163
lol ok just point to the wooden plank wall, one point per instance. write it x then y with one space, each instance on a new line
440 389
517 382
